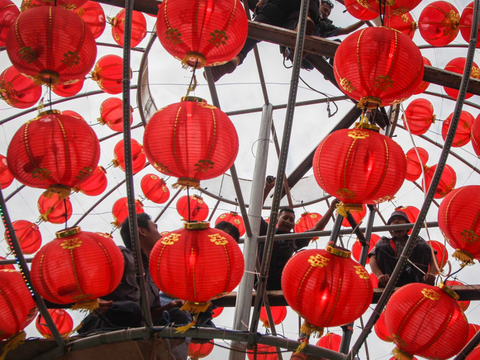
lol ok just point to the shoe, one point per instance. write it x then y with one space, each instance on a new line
220 70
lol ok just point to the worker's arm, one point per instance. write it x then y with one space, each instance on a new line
382 278
349 29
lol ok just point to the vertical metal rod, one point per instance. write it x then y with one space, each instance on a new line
22 264
271 322
213 211
336 229
132 218
167 205
285 181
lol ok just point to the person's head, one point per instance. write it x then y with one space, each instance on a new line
286 220
230 229
325 8
397 218
147 232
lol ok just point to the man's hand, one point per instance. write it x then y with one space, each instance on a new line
269 183
383 279
429 279
173 304
103 306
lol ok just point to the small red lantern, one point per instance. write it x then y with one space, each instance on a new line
359 166
191 140
457 66
120 210
381 329
415 163
154 188
139 28
330 341
93 15
8 14
69 89
95 184
360 10
279 313
403 23
424 84
397 7
463 304
430 311
77 266
62 320
234 219
196 264
18 90
202 33
466 21
386 69
447 180
28 236
54 208
6 267
64 4
412 213
111 114
459 223
36 49
472 330
6 177
441 255
418 116
439 23
374 280
199 351
217 312
357 216
17 308
475 136
306 222
357 247
317 284
138 156
108 73
263 352
197 207
474 355
463 131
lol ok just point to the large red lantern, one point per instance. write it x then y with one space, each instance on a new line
279 313
191 140
64 4
199 351
418 116
93 15
196 264
17 308
426 321
234 219
378 67
359 166
138 29
357 247
6 177
54 208
424 84
463 304
403 23
53 151
202 33
475 136
458 220
307 221
317 284
18 90
263 352
28 236
8 14
69 89
381 329
108 73
441 255
330 341
416 161
77 266
447 180
192 208
463 131
6 267
120 210
138 156
466 22
95 184
111 114
357 216
154 188
360 10
457 66
439 23
62 320
51 44
395 7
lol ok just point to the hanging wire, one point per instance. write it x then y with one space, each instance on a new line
65 212
188 203
193 80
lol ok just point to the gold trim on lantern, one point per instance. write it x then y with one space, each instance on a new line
369 102
197 225
48 112
338 252
364 124
194 59
68 232
464 256
186 181
194 98
401 354
449 291
47 77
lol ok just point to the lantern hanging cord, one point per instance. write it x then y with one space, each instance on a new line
454 273
188 203
326 96
193 80
65 211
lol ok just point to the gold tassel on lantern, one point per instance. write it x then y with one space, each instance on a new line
86 305
308 329
464 256
62 191
401 355
13 342
195 308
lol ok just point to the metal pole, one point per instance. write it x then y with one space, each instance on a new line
15 192
336 229
213 211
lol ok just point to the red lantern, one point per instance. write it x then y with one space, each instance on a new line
54 208
37 49
279 313
439 23
191 140
403 23
139 28
395 358
6 177
263 352
459 223
111 114
381 329
357 216
6 267
415 163
474 355
463 131
95 184
397 7
357 247
77 266
28 236
108 73
64 4
155 189
18 90
472 330
317 284
74 114
196 264
424 84
14 318
69 89
360 10
466 21
475 136
306 222
411 212
216 312
53 150
359 166
197 207
202 33
138 156
386 69
120 210
463 304
447 180
457 66
234 219
62 320
426 321
199 351
441 255
418 116
94 16
330 341
8 14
